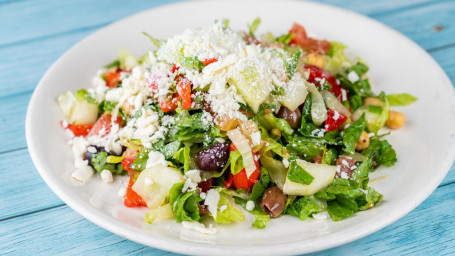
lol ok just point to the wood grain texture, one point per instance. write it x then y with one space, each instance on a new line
34 221
34 20
23 190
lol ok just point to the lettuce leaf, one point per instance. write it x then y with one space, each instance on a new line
99 163
232 213
352 134
402 99
297 174
184 205
305 206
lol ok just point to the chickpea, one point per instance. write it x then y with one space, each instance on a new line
127 107
316 60
363 142
275 132
372 101
396 120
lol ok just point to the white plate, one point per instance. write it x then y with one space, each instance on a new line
425 146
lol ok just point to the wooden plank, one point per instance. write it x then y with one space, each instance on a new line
23 65
425 231
374 7
25 18
420 23
12 122
36 234
21 187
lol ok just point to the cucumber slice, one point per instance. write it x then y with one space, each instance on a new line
323 175
252 78
154 184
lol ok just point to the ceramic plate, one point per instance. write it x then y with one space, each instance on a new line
425 146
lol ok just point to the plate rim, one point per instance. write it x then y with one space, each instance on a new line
160 242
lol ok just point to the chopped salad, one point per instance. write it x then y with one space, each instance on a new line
215 120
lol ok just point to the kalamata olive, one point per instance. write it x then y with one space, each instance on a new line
273 201
345 167
92 149
206 185
292 117
213 157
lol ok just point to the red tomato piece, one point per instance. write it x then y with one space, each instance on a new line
317 74
113 77
167 106
103 125
334 120
78 129
174 68
131 198
184 91
206 62
228 183
128 158
232 147
300 38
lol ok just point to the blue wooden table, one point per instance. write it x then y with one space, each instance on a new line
34 221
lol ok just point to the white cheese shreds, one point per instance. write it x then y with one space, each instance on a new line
285 162
106 176
249 206
83 174
194 175
320 216
212 199
199 227
256 138
203 195
155 158
353 77
223 208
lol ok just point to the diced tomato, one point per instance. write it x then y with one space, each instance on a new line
103 125
229 182
334 120
174 68
167 106
317 73
78 129
209 61
128 158
206 185
300 38
131 198
113 77
240 180
184 91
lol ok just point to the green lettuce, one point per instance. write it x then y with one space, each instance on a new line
297 174
184 205
402 99
305 207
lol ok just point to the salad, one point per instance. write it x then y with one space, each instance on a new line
213 121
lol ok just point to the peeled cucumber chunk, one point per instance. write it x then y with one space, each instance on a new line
294 93
252 78
323 176
154 184
67 102
84 113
